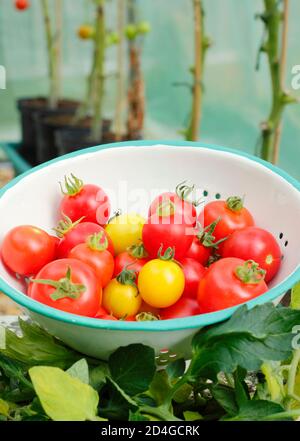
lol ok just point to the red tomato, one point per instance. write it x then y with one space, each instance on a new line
185 210
256 244
229 282
74 234
193 273
232 216
68 285
84 201
161 231
133 259
185 307
94 252
22 4
26 249
199 252
103 314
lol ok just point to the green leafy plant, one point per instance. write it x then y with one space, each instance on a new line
242 369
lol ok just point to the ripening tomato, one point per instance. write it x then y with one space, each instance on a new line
94 252
193 273
22 5
231 215
185 210
88 202
256 244
26 249
121 297
134 259
161 283
68 285
230 282
86 32
161 231
73 234
185 307
125 230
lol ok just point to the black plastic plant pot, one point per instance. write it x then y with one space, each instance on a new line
71 139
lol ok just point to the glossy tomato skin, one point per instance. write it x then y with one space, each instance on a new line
161 283
185 211
125 260
22 5
256 244
91 203
125 230
185 307
160 233
220 288
229 222
26 249
193 273
77 235
121 300
199 252
102 262
88 302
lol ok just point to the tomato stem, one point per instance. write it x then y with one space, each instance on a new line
127 276
206 237
137 251
73 186
64 288
250 273
183 191
65 225
167 255
97 241
235 203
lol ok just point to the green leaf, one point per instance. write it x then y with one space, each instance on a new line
274 380
63 397
192 416
160 387
2 337
136 416
258 410
247 339
295 297
115 403
14 371
133 368
80 370
4 408
176 369
37 347
225 396
241 389
98 375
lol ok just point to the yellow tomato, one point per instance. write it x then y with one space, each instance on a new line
125 230
86 32
121 300
161 283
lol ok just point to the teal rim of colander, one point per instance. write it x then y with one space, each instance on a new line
197 321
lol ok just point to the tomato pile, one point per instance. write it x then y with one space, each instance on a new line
178 262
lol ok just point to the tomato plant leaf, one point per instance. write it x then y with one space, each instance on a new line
160 387
176 369
136 416
115 403
63 397
98 375
133 368
241 389
4 408
2 337
257 410
247 339
80 370
225 396
295 297
192 416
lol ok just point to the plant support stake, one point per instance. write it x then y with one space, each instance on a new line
275 20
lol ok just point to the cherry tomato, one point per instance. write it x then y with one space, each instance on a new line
193 273
73 234
232 216
121 297
161 231
22 5
26 249
125 230
185 307
68 285
256 244
86 32
89 202
94 252
229 282
185 210
103 314
134 259
161 283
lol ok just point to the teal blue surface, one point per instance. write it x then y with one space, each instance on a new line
162 325
11 151
236 100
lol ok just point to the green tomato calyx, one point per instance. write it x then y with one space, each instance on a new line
64 288
235 203
183 191
97 241
138 251
73 186
127 276
146 317
206 237
250 273
65 225
169 254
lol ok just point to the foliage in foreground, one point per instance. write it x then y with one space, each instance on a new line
242 369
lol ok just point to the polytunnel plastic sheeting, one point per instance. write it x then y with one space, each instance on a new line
236 99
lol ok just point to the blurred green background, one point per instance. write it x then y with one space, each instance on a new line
237 98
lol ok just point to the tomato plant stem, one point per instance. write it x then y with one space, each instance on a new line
120 69
292 375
